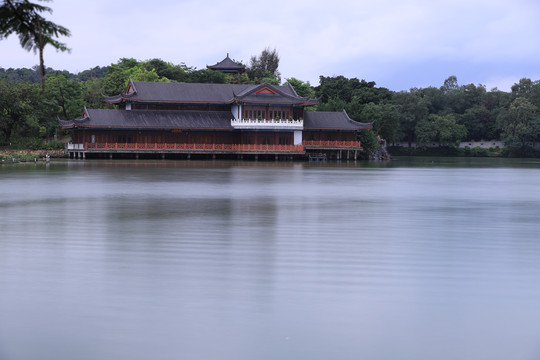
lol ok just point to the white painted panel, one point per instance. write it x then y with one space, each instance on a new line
236 111
298 138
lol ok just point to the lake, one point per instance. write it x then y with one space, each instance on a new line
416 258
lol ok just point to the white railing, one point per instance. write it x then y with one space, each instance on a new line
70 146
267 124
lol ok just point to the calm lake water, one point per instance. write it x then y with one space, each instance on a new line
421 258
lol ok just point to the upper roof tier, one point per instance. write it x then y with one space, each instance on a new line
227 65
196 93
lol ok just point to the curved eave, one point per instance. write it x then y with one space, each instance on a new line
216 67
66 124
113 99
311 102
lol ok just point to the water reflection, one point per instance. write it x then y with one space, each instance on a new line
241 260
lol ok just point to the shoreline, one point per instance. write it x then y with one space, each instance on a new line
29 155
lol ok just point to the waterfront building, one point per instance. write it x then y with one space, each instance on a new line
171 119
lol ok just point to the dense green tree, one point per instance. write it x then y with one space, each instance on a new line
66 94
479 124
96 72
385 119
369 142
35 32
168 70
434 99
450 84
528 89
266 65
302 88
115 81
347 89
19 110
442 115
333 104
92 94
442 129
412 108
523 88
118 75
520 124
208 76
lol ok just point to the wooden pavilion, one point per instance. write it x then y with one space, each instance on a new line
178 120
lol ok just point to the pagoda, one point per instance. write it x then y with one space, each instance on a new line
228 66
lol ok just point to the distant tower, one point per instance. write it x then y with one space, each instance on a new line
228 66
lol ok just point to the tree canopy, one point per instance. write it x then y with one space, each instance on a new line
265 67
434 115
23 18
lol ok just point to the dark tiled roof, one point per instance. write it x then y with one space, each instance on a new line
281 95
207 93
324 120
152 119
226 64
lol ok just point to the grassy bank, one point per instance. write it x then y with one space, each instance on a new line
10 155
527 152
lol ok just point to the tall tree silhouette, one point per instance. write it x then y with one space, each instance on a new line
23 18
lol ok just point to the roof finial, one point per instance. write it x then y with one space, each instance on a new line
227 54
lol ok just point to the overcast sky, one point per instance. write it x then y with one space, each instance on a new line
399 44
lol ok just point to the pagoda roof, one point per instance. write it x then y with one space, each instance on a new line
326 120
227 64
204 93
151 119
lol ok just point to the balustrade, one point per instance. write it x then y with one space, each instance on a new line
193 147
267 123
331 143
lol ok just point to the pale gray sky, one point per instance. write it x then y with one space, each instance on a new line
399 44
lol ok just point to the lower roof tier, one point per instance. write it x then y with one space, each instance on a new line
203 120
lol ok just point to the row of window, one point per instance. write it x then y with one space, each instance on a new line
261 114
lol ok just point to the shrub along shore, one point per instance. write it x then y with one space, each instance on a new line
10 155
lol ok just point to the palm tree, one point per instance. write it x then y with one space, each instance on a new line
23 18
